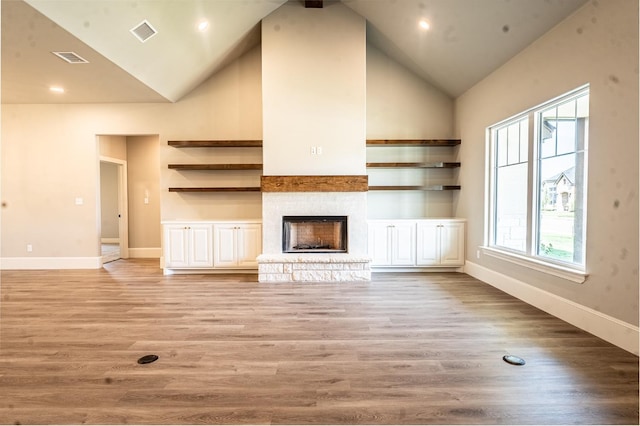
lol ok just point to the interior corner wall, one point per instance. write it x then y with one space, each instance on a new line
596 45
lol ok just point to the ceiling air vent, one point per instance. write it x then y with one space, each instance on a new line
71 57
144 31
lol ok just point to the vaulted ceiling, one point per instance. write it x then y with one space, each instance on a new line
466 41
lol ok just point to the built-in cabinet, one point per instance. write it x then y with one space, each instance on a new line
440 243
188 245
215 245
392 243
236 245
417 243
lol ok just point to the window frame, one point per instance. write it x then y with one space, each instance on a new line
530 258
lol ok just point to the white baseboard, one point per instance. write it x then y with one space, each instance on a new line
145 253
615 331
110 240
418 269
7 263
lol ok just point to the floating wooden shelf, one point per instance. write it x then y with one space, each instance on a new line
218 189
215 166
415 188
413 142
217 144
438 165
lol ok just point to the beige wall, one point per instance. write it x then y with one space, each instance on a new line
109 201
113 146
227 106
401 105
597 45
45 167
143 191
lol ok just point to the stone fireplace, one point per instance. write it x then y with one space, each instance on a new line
314 199
314 139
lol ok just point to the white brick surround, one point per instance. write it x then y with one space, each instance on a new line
275 266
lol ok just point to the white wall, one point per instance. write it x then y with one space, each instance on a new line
314 90
597 45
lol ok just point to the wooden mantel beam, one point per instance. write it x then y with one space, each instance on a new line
348 183
317 4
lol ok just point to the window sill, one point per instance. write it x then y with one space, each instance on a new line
574 275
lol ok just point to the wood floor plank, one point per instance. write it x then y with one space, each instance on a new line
405 348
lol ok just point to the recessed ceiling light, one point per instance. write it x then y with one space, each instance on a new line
424 24
203 25
56 89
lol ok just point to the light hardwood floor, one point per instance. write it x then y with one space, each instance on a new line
404 348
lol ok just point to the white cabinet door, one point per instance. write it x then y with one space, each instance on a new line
392 243
452 244
440 243
200 246
249 245
188 246
403 244
380 243
428 244
176 247
237 245
224 242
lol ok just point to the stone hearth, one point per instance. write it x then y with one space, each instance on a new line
313 267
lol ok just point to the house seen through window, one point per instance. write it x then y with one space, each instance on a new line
538 182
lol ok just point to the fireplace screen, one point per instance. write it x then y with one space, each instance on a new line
314 234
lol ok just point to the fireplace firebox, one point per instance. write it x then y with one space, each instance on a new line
314 234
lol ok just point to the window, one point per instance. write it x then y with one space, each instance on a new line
538 184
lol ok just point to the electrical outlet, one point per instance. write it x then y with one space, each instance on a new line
29 248
319 150
477 254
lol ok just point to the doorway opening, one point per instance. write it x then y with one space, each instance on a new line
114 230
